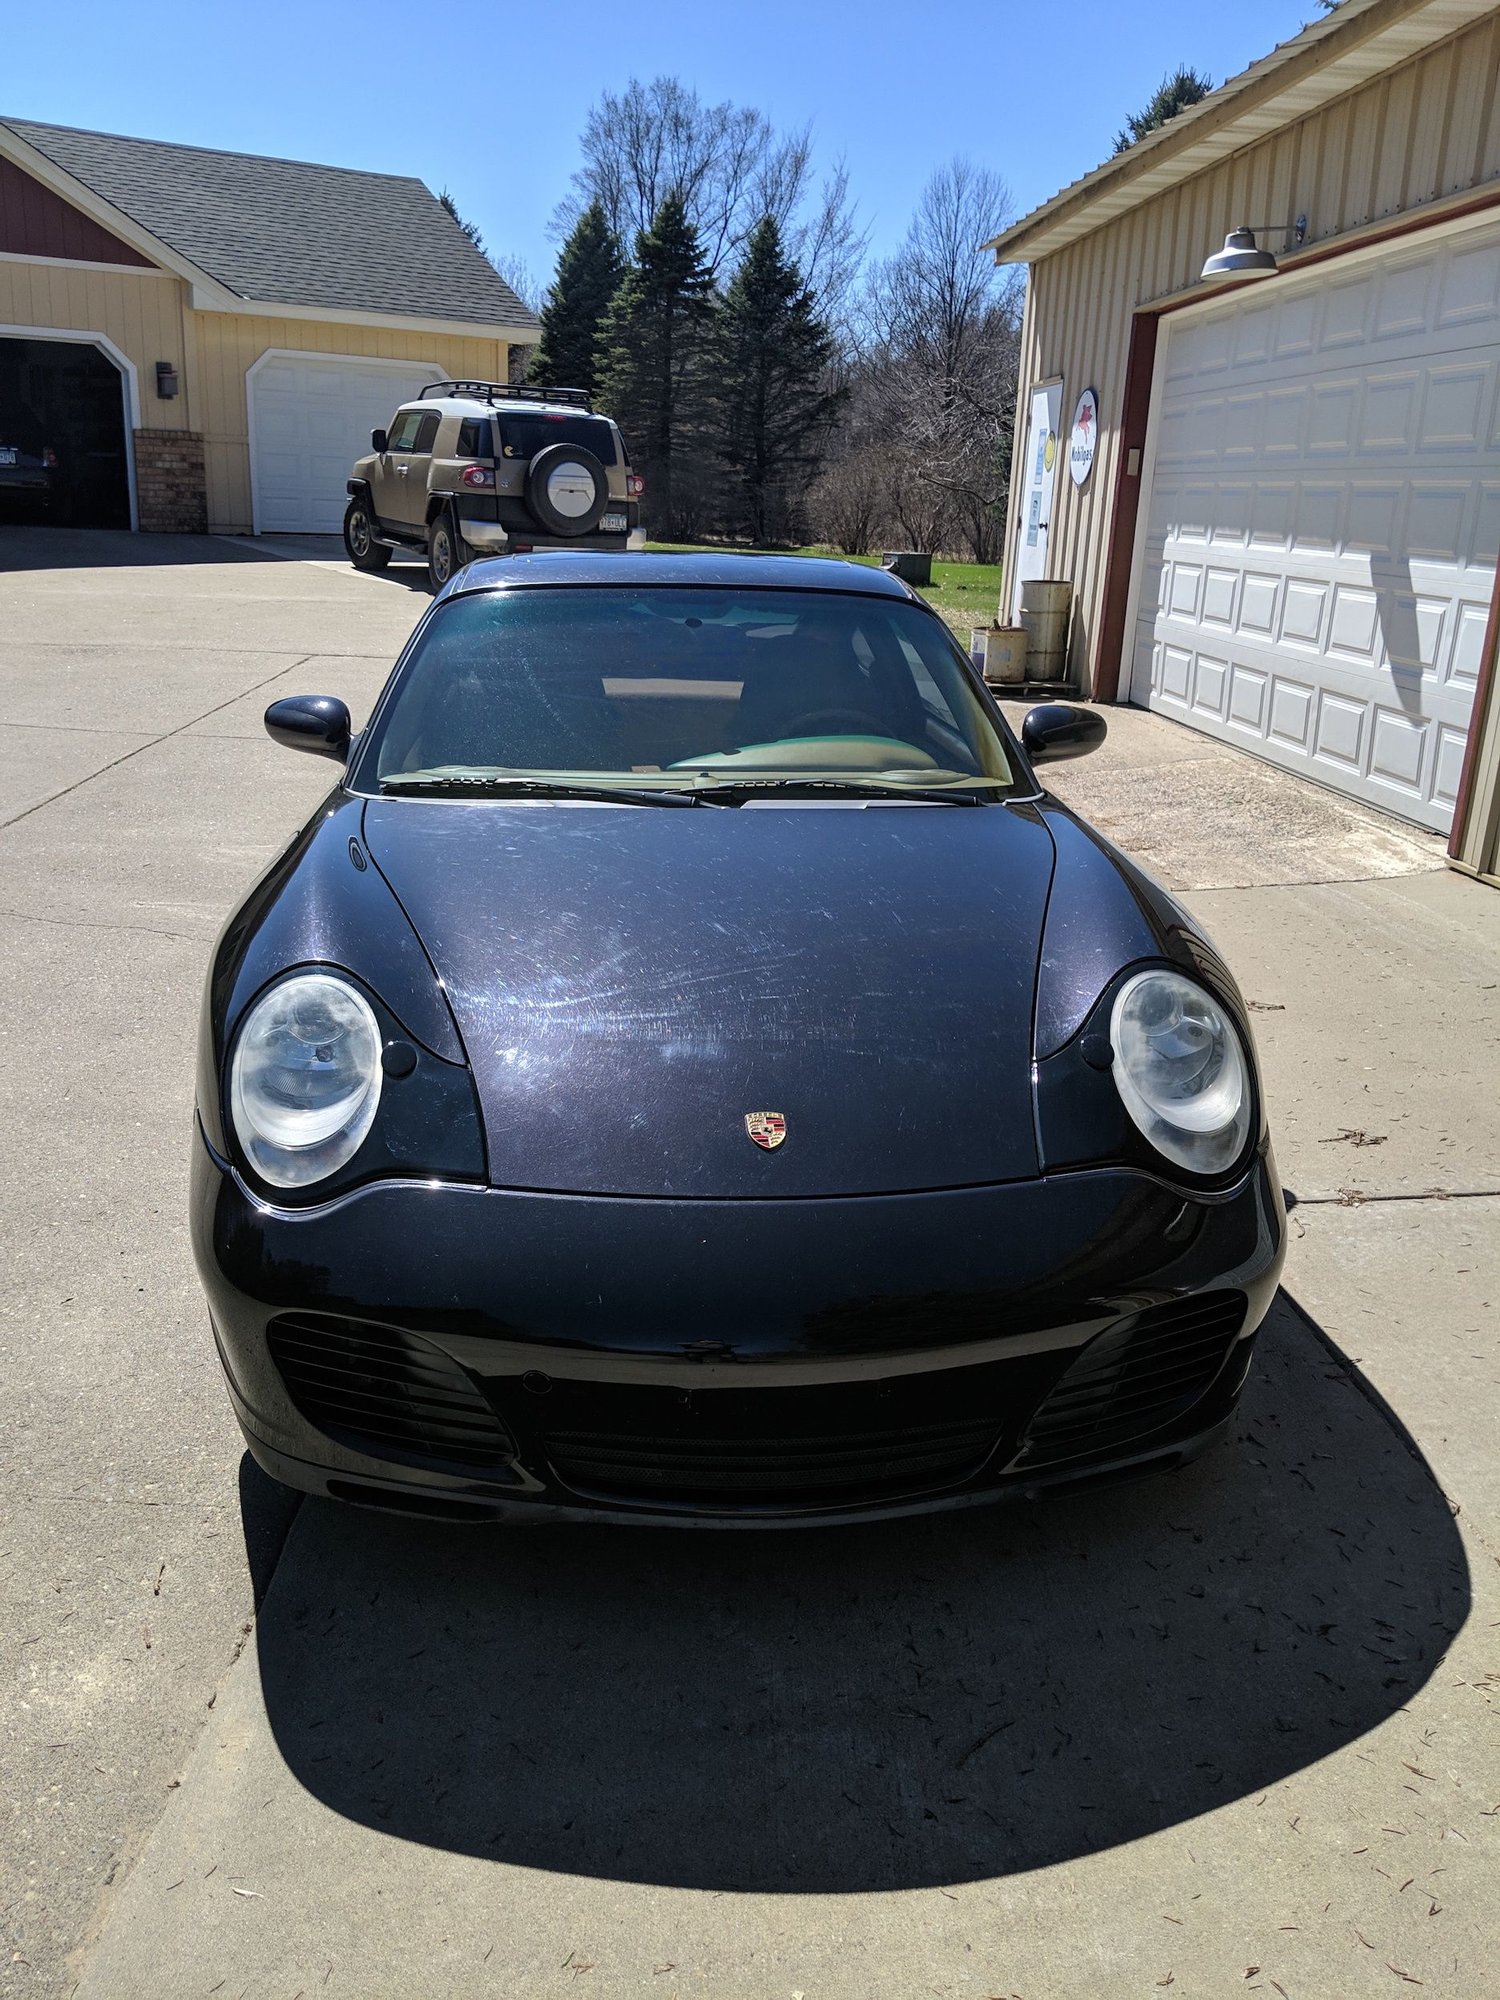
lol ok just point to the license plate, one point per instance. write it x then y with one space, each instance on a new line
7 455
610 524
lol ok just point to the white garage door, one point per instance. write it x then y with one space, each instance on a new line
1323 520
310 418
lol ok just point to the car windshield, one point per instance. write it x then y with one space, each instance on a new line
677 688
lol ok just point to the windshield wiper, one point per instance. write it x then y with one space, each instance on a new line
729 791
455 786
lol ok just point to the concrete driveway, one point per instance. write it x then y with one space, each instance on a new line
1230 1732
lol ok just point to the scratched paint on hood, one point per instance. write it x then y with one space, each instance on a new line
630 982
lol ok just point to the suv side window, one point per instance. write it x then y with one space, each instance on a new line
474 439
404 426
427 430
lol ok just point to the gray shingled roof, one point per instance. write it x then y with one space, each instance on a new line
288 232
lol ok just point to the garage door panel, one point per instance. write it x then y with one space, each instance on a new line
1469 289
1285 423
1228 514
1210 687
1448 764
1397 744
1403 301
311 417
1328 610
1254 335
1332 419
1260 599
1220 591
1339 734
1303 604
1318 519
1296 327
1292 706
1248 694
1470 623
1486 545
1346 315
1457 402
1354 628
1274 510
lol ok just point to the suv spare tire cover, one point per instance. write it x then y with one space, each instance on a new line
566 489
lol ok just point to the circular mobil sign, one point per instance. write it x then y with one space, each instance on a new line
1084 437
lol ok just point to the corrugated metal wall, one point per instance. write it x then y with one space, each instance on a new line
227 344
1427 130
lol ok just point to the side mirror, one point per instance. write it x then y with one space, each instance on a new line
378 441
315 722
1056 730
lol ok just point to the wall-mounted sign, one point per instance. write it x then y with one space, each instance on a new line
1084 437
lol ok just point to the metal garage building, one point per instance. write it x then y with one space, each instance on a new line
202 339
1287 527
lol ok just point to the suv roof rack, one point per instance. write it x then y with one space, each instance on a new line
507 392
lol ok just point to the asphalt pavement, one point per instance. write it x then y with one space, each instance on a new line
1228 1732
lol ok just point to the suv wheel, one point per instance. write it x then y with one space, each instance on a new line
446 554
359 537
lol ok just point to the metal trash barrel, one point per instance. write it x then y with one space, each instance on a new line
1046 606
999 652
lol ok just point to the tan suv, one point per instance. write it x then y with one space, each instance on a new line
489 468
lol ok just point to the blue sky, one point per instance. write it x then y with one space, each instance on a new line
488 100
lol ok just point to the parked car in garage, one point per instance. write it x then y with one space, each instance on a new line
689 1068
488 468
28 466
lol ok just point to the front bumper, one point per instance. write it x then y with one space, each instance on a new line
637 1356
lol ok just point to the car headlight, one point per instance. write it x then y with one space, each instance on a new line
1180 1069
305 1080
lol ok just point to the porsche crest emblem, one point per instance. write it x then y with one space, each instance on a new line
766 1128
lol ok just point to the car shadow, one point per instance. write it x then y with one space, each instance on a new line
892 1706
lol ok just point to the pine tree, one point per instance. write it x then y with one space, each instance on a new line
470 229
775 400
589 271
658 341
1174 93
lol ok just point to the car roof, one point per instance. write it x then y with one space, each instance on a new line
468 406
636 566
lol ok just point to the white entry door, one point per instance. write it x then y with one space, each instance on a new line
1036 495
1323 519
310 418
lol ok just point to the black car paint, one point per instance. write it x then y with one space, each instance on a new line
918 989
866 970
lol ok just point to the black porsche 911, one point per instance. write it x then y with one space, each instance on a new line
688 1069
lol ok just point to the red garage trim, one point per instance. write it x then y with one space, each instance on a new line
35 222
1115 602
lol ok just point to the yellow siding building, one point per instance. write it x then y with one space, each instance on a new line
204 340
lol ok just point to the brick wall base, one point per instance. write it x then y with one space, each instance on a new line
171 489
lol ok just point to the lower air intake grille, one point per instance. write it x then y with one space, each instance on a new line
387 1394
871 1465
1134 1380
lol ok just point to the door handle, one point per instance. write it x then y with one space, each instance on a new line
403 470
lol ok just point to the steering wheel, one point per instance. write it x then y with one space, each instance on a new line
833 722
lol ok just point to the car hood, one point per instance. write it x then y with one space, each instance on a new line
630 982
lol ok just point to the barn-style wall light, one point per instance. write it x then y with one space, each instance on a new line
166 381
1242 257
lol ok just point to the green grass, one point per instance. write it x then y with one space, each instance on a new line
966 594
